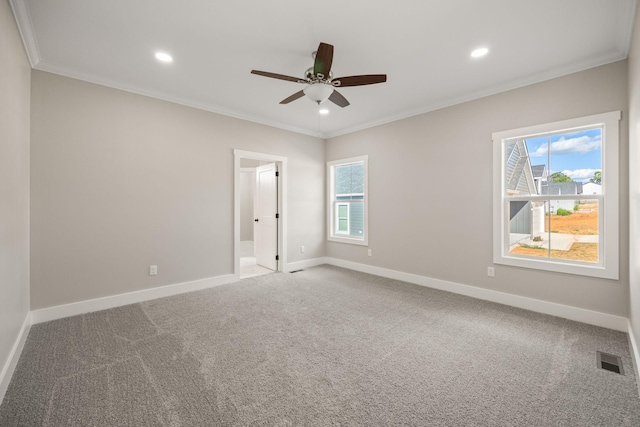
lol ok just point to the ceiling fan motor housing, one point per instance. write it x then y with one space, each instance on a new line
310 77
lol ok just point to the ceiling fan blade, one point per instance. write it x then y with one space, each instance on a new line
337 98
367 79
293 97
324 59
277 76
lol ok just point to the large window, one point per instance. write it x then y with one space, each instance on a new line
556 196
347 216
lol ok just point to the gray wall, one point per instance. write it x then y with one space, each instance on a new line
430 181
15 73
634 181
121 181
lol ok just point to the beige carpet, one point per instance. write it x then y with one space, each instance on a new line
321 347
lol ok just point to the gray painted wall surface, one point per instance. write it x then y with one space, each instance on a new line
15 74
634 180
121 181
445 231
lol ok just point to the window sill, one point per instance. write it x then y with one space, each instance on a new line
581 269
348 240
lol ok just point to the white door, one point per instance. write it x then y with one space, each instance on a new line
266 223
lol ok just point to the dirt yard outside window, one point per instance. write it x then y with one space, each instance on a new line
581 224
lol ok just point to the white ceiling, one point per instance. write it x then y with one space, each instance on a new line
422 45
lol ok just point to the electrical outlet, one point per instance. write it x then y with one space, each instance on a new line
369 252
153 270
301 249
491 272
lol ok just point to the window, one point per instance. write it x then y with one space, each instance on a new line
556 196
347 216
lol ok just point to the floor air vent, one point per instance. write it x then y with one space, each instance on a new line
609 362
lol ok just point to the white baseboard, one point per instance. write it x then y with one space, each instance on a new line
635 354
104 303
596 318
58 312
307 263
14 355
80 307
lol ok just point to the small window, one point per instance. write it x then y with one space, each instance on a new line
556 196
347 219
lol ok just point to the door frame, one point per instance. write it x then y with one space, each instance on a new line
281 164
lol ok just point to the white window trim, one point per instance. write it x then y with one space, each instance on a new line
331 202
608 267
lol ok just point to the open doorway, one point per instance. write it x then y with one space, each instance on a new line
249 266
260 230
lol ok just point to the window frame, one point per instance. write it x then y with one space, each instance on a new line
608 215
332 202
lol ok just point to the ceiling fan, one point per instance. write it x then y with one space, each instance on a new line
320 82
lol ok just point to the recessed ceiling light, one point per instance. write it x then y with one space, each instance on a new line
323 111
481 51
163 57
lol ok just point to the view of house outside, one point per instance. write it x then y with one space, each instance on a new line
555 181
349 199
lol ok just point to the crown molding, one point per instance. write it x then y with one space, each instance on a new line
43 65
627 10
514 84
25 27
627 14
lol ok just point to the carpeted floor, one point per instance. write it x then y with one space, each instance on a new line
325 346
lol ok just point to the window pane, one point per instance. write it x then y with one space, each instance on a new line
538 149
343 179
342 218
356 219
574 230
575 159
348 200
519 179
558 229
349 180
557 164
527 234
357 178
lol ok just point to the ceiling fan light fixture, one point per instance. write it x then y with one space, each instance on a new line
323 111
318 92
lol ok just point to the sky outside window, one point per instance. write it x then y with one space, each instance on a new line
576 154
